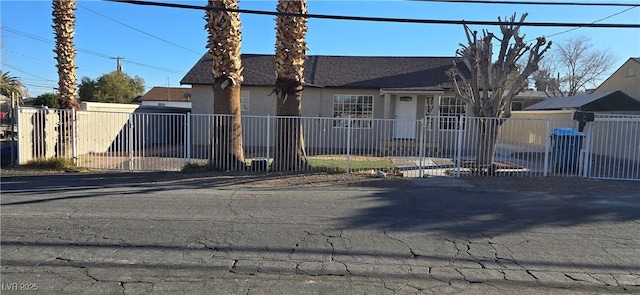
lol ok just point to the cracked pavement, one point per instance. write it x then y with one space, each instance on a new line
95 236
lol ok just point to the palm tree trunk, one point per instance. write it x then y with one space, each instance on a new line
224 48
290 153
64 27
290 56
228 152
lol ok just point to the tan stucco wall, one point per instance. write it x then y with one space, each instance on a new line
531 128
201 99
37 136
622 80
617 139
108 107
171 104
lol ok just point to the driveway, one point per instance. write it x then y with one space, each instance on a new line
152 233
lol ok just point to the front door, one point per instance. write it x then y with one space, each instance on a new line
406 117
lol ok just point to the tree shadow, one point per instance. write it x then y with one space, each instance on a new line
388 204
478 213
38 188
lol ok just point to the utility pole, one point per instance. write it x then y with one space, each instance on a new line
118 65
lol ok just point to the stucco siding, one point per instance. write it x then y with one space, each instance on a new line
201 99
626 79
172 104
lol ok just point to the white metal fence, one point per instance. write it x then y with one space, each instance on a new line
607 148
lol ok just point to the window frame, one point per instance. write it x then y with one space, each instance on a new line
361 110
449 120
245 101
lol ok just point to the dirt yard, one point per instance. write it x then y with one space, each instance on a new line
566 185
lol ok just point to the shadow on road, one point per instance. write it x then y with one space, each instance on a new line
398 205
471 213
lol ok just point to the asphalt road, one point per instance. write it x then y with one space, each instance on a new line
111 234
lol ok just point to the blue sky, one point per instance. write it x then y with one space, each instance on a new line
142 34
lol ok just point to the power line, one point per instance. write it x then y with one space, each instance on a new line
377 19
604 18
44 40
19 70
141 31
155 67
91 52
39 86
533 3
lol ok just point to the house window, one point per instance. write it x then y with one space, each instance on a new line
245 99
451 109
517 105
357 107
631 72
429 112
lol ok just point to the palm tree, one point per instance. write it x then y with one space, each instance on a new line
64 27
10 85
290 56
224 48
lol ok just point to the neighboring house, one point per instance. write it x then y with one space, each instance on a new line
612 101
170 97
403 88
625 79
527 98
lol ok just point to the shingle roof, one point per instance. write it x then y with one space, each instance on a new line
607 101
340 71
167 94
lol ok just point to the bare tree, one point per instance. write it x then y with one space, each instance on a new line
574 66
490 86
224 40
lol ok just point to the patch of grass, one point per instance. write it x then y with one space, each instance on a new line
197 168
358 163
57 164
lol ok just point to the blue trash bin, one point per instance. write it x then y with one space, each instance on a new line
566 144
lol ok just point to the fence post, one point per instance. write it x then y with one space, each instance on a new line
15 120
268 140
130 139
423 128
74 137
547 137
187 134
586 164
459 146
348 145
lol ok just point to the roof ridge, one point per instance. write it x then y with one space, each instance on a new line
359 56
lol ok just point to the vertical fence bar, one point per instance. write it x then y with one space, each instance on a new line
547 139
268 140
130 141
587 153
187 134
348 164
15 149
74 137
422 129
458 160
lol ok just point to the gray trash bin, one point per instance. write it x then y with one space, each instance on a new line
566 144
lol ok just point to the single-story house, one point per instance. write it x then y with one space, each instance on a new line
403 88
626 79
399 89
169 97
